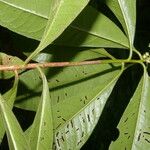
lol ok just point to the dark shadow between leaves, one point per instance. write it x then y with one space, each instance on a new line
22 88
106 129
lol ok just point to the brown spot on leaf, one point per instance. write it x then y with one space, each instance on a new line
79 142
67 131
126 120
83 120
77 129
93 111
64 119
139 136
7 60
57 80
126 133
147 140
147 133
58 126
55 148
62 138
58 142
82 134
88 116
71 123
86 97
57 134
58 99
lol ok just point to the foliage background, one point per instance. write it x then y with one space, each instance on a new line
106 129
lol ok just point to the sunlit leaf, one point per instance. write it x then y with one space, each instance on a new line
89 30
25 17
10 97
134 125
15 135
74 126
67 78
62 13
77 93
41 133
93 29
8 60
125 11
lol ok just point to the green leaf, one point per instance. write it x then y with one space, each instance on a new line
41 133
75 92
134 124
10 97
8 60
25 17
125 11
16 138
98 30
93 29
30 83
62 13
75 123
82 54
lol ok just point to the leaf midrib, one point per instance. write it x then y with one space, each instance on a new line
24 9
76 114
140 105
46 17
125 22
7 123
82 30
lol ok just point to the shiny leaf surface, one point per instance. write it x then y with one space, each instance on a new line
41 134
8 60
10 97
125 11
15 135
134 125
59 19
76 109
91 33
78 126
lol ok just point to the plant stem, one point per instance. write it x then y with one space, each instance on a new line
64 64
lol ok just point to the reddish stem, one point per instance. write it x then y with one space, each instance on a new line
46 65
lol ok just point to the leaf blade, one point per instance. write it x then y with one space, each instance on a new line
69 94
56 25
125 11
134 124
16 138
41 134
10 97
8 60
33 26
77 129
